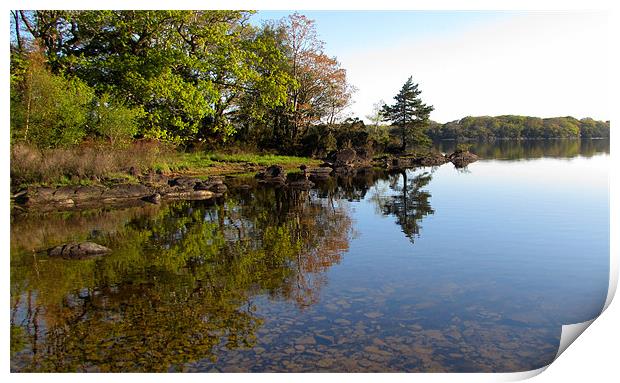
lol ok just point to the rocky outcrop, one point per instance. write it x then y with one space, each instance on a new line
319 174
432 159
78 250
462 158
345 157
273 175
345 162
276 176
155 189
413 160
213 184
299 180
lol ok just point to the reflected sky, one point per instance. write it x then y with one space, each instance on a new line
432 269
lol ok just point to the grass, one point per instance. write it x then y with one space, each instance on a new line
94 164
207 162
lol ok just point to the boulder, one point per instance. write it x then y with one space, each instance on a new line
462 158
78 250
215 185
272 171
273 175
153 198
345 156
184 182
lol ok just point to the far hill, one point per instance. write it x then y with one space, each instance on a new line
518 127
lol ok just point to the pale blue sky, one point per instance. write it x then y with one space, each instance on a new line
344 31
471 62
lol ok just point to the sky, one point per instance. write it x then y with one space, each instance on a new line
469 63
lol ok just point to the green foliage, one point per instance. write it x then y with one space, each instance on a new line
191 72
115 121
48 110
517 127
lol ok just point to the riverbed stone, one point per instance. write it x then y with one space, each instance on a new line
78 250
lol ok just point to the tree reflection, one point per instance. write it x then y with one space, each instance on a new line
409 203
180 282
530 149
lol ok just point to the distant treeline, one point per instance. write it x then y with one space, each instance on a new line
518 127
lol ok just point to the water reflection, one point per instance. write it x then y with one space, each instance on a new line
284 280
530 149
409 204
180 281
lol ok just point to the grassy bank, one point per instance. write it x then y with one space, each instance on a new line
204 162
94 164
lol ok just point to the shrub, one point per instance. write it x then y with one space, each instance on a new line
30 165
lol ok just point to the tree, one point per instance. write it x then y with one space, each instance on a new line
48 110
320 91
410 115
187 70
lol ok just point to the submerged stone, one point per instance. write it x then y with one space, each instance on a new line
78 250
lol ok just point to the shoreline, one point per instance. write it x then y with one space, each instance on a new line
194 184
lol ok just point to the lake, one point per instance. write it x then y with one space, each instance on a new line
429 269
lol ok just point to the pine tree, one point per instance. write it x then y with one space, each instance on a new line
410 115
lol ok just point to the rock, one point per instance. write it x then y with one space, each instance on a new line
461 158
306 340
184 182
373 315
272 171
273 175
78 250
345 156
320 173
87 193
153 198
21 196
432 159
155 180
64 192
126 191
189 195
216 186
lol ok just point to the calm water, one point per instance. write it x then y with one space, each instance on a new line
433 269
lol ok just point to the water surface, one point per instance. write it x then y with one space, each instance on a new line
432 269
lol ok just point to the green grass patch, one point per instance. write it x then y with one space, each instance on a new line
197 161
